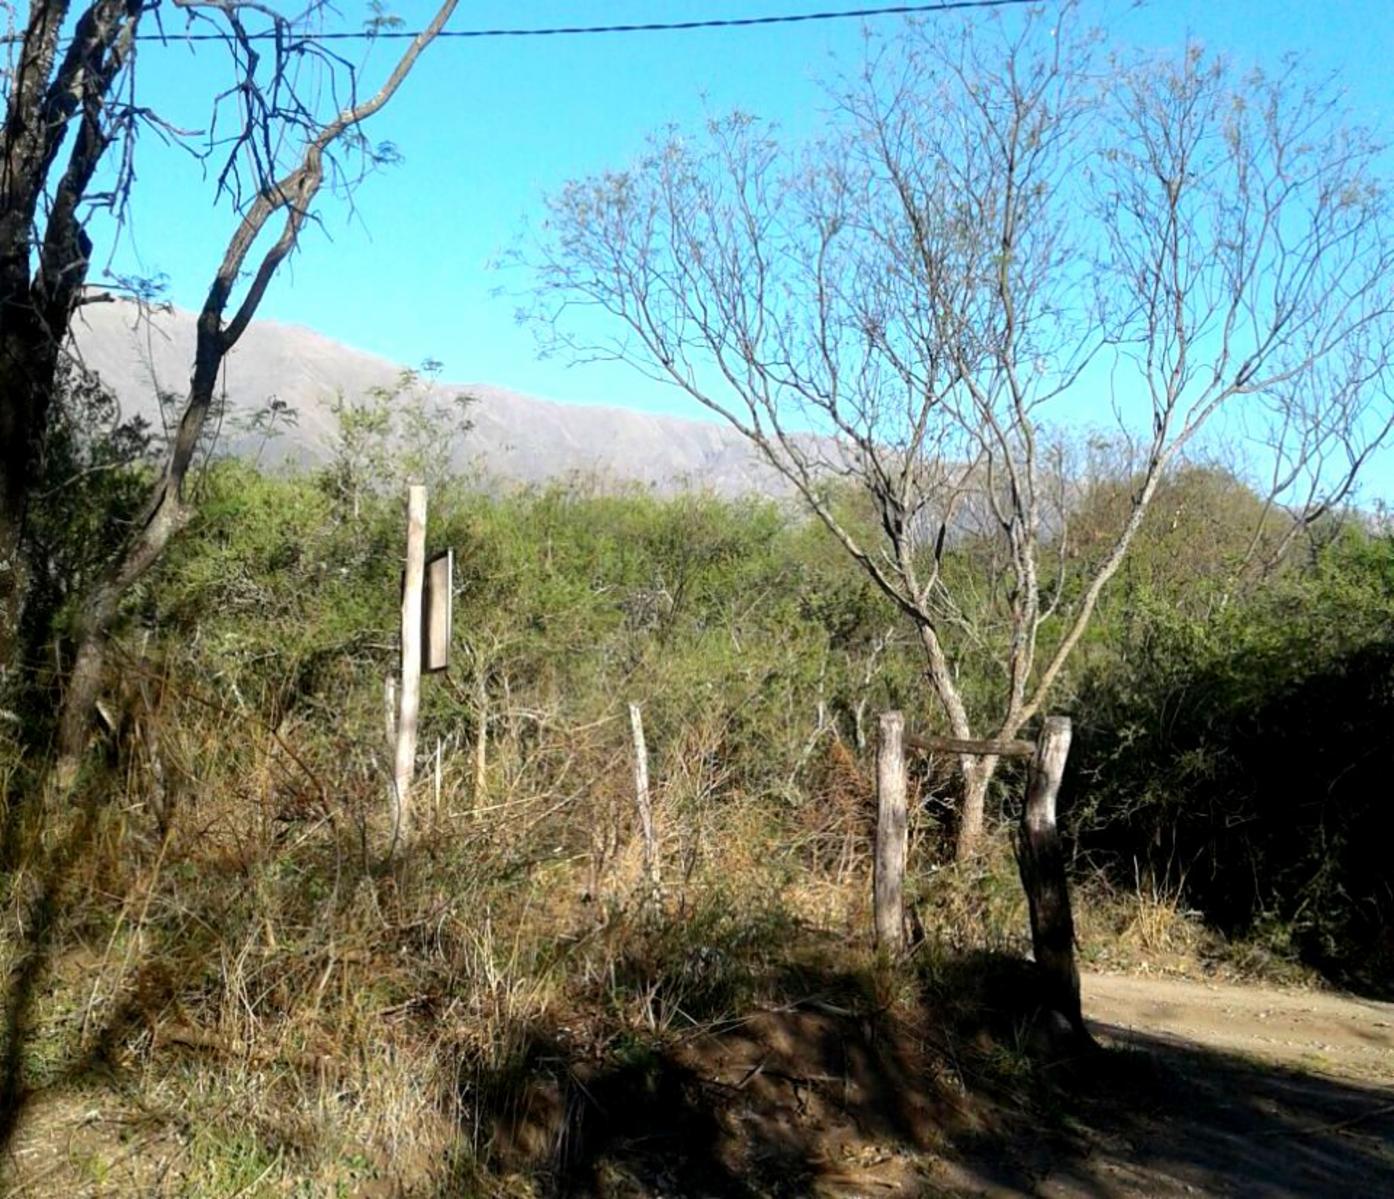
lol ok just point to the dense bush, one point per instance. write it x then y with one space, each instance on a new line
1230 747
748 639
1235 749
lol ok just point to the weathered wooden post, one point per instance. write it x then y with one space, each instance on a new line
1041 860
891 834
641 800
409 701
481 746
438 778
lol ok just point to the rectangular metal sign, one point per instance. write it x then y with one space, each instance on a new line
437 612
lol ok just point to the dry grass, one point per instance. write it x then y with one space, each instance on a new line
1150 929
246 993
244 989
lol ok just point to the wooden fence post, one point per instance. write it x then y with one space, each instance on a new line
439 780
410 698
1041 860
641 800
891 834
481 738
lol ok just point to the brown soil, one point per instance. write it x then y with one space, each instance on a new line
1195 1092
1254 1091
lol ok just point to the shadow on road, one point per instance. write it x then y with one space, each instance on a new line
829 1096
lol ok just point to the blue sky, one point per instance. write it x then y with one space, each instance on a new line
486 127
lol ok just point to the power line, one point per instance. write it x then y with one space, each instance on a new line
843 14
700 23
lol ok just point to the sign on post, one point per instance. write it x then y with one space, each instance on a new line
436 612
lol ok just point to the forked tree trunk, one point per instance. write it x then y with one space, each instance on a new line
166 510
50 98
975 772
93 620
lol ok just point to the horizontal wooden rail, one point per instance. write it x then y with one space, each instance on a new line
955 745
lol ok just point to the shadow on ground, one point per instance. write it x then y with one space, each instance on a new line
1270 845
829 1094
827 1087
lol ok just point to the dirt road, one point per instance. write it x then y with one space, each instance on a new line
1313 1031
1246 1091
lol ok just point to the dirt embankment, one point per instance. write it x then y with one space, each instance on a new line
1203 1090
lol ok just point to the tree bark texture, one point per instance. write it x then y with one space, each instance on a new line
972 814
40 292
1041 860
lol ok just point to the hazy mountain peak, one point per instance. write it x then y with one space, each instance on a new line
515 437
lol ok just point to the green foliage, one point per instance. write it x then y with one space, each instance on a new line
230 888
752 644
729 622
92 477
406 431
93 474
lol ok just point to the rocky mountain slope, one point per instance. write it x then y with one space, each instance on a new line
515 437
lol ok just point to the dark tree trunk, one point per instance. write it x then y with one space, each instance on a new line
27 365
1041 860
38 294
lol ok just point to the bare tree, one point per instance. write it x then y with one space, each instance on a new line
287 199
997 227
68 148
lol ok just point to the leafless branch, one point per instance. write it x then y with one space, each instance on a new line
902 306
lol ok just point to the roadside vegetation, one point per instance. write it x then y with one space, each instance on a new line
228 973
219 960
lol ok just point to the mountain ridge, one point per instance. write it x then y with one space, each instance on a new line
140 353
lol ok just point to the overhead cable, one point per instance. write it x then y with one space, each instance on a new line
389 34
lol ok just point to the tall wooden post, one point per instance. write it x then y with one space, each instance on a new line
1041 860
641 800
891 834
410 698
